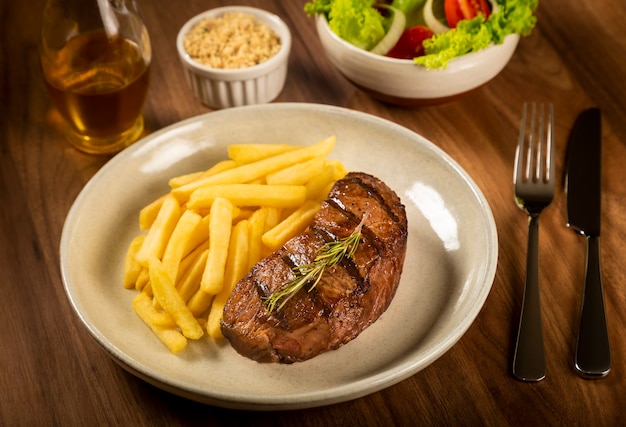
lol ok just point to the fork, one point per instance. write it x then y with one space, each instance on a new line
534 190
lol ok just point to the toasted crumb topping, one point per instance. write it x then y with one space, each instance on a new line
232 40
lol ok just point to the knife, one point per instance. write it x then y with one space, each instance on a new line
583 186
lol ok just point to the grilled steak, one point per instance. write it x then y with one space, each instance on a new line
349 297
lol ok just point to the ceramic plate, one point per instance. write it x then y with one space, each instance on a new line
449 269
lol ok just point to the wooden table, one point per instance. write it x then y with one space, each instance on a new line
53 373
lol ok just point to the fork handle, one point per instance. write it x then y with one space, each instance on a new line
593 351
529 363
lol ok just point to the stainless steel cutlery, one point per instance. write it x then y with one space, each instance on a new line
534 179
534 190
583 186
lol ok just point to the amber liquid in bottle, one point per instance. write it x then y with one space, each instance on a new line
99 85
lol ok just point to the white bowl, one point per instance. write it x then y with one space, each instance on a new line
402 82
223 88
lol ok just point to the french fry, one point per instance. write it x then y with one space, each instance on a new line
220 225
294 224
256 228
272 219
167 296
156 240
186 179
199 236
318 187
152 316
143 280
190 281
245 195
243 213
148 214
298 174
190 259
236 267
237 213
187 224
274 216
252 171
132 268
200 302
190 274
339 170
180 180
249 153
173 340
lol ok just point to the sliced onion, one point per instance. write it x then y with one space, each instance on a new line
494 6
393 34
431 21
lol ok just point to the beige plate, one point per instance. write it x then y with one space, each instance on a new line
449 269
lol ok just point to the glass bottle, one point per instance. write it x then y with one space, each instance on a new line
95 57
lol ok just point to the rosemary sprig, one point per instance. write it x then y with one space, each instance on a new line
328 255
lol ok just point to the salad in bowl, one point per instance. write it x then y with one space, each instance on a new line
430 32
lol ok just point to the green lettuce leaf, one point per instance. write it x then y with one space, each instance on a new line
355 21
513 17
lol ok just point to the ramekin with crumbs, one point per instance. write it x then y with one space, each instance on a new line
233 40
235 56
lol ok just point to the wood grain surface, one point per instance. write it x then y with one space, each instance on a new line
53 373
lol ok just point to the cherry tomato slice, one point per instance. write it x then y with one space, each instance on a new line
457 10
411 42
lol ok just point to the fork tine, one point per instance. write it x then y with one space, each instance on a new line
544 171
518 173
541 145
531 146
550 161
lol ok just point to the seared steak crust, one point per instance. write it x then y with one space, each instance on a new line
349 297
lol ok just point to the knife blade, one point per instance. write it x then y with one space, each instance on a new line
583 187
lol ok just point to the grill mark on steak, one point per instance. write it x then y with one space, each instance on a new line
290 262
346 262
350 295
373 191
354 220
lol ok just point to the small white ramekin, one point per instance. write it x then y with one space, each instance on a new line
223 88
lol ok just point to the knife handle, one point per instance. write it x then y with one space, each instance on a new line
593 351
